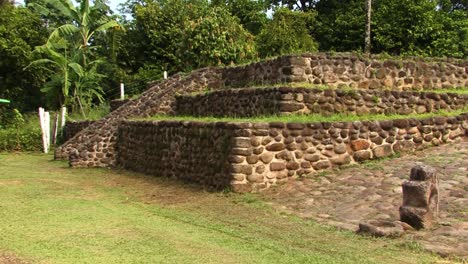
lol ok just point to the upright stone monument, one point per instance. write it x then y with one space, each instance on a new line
420 197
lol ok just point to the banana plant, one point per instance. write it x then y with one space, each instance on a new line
57 58
71 84
85 21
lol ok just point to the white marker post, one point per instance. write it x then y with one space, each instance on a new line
64 116
122 90
165 75
55 129
44 119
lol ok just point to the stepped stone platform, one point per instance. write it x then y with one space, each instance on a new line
95 146
253 156
288 100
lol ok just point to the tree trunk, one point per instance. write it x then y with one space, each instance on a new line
367 47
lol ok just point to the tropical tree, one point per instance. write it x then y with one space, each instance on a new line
182 35
287 32
84 21
69 50
20 31
251 13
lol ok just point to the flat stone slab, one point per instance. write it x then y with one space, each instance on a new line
372 191
382 228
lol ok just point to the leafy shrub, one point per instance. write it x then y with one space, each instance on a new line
287 33
19 133
13 139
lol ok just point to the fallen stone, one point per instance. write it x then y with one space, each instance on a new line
381 228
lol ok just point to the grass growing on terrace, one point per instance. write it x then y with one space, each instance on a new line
307 85
309 118
457 90
53 214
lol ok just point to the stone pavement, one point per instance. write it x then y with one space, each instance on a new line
345 197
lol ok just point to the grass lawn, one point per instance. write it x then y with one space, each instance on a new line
53 214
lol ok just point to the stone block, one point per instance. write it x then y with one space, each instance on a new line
380 228
275 147
420 197
266 157
362 155
341 159
321 165
382 151
277 166
360 144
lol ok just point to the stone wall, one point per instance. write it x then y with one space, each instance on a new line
114 104
286 100
73 127
254 156
196 152
351 71
94 146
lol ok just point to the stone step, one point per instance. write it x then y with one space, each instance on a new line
248 102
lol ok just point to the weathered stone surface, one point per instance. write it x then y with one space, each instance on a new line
260 169
380 228
382 151
241 151
255 178
360 144
266 157
292 165
312 157
362 155
341 159
252 159
284 155
277 166
243 169
235 159
275 147
420 197
240 142
321 165
403 146
340 149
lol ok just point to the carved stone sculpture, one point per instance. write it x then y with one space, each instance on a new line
420 197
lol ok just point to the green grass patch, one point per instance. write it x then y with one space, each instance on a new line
307 85
309 118
93 113
54 214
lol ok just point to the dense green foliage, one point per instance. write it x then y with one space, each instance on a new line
18 133
399 27
68 51
181 35
12 139
288 32
20 31
84 53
